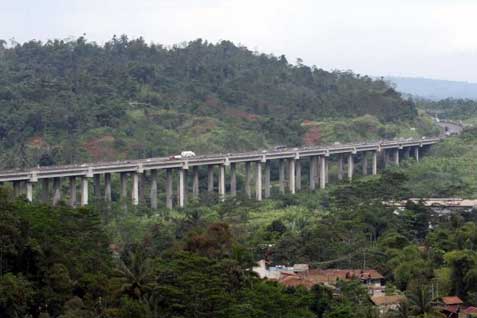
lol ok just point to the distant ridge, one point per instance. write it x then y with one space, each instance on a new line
434 89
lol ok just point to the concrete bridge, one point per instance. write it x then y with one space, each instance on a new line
314 160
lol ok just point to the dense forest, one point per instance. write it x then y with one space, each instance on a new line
68 101
454 109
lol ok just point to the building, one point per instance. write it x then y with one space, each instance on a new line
386 303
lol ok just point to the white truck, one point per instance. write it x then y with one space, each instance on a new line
184 154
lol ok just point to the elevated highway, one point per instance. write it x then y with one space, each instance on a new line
290 160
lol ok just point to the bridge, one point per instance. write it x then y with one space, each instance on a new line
314 161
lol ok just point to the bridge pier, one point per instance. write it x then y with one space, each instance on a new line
248 179
141 185
365 164
258 181
107 189
396 157
281 175
56 191
123 180
195 182
222 183
210 178
340 167
153 190
181 187
169 188
267 179
45 189
350 167
72 191
233 180
291 175
84 191
135 189
375 163
29 191
322 172
312 173
416 153
97 186
298 175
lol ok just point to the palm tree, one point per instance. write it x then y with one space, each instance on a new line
136 278
421 303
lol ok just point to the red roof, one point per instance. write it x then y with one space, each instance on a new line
452 300
470 310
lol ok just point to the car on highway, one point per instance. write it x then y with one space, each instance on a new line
184 154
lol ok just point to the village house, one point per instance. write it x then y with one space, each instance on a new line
386 303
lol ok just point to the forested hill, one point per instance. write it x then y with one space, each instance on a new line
67 101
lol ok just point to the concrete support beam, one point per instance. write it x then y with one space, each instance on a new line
97 186
56 191
169 188
248 179
222 183
107 188
298 174
365 164
396 157
340 168
135 189
195 182
84 191
233 180
350 167
322 172
327 169
45 189
72 191
258 181
210 178
267 179
281 175
141 187
123 180
153 190
182 185
312 174
416 153
375 163
29 191
291 176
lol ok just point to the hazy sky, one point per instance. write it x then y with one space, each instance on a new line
428 38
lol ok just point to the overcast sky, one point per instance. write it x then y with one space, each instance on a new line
426 38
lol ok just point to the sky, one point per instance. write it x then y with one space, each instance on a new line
416 38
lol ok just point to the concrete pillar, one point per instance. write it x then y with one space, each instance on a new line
298 174
416 153
322 172
153 190
210 178
350 167
281 175
56 191
195 182
365 164
233 180
327 169
135 189
340 168
72 191
97 186
84 191
248 179
45 189
221 182
29 191
181 188
375 163
312 173
258 181
141 187
396 157
291 176
123 180
107 188
267 179
169 188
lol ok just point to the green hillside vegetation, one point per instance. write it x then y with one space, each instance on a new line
71 101
454 109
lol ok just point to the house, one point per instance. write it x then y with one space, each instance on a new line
469 312
386 303
373 280
451 306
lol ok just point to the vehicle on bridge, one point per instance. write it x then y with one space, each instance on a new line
184 154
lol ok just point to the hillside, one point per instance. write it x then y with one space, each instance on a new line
64 102
434 89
